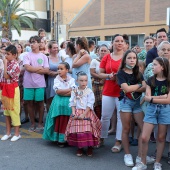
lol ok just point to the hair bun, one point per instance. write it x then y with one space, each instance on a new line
125 37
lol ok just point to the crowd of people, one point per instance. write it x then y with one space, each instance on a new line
90 92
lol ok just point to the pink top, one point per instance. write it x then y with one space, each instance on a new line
34 80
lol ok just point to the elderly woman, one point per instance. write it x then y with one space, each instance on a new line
162 52
97 82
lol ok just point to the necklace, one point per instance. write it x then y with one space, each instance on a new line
115 57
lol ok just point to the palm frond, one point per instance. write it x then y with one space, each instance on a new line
20 10
16 24
28 13
18 14
26 20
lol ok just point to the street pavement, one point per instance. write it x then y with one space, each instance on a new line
31 152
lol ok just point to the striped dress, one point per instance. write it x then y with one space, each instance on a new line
86 132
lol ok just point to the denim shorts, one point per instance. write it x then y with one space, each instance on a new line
157 114
130 106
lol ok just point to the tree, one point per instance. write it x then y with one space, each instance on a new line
11 15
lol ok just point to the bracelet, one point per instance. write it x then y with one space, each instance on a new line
151 101
108 77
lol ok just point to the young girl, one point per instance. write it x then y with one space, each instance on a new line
83 129
132 85
59 112
158 109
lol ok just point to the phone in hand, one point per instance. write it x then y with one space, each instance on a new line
4 40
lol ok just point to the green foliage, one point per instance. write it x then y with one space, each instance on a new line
17 17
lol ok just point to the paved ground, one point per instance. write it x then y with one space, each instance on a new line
33 153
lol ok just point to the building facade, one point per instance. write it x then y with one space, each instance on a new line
101 19
67 10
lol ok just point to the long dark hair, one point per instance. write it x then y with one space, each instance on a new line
136 72
113 38
70 45
164 62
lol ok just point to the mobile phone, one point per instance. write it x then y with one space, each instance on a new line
4 40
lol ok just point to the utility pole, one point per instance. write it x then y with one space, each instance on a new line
168 22
57 26
9 22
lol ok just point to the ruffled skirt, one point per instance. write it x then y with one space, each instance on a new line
83 133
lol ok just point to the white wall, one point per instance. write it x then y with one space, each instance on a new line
62 34
25 35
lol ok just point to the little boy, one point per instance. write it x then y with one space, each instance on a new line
10 93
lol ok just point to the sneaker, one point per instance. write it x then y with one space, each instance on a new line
157 166
15 138
89 151
79 152
149 160
6 137
139 166
128 160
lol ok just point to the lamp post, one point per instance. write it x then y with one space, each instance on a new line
9 22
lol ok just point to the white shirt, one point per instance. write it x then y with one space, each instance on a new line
82 99
62 53
95 64
59 83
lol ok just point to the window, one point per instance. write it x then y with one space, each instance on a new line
136 40
133 39
108 38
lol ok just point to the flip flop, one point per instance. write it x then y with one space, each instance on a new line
117 147
39 129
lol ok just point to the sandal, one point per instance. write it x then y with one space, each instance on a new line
101 143
111 133
31 129
116 148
